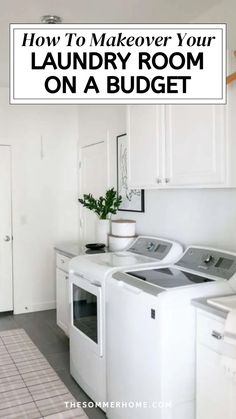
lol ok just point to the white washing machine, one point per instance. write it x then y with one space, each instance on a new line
151 333
88 275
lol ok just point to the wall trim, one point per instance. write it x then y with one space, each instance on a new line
47 305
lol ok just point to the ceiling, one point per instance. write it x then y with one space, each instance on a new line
102 11
110 11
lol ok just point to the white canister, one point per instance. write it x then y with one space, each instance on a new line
123 228
117 243
103 229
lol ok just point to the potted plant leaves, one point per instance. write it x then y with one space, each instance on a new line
104 207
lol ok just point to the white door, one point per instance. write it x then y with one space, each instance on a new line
195 145
145 145
94 180
6 299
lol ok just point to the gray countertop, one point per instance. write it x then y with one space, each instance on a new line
72 249
204 305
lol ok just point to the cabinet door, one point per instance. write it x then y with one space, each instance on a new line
215 391
62 296
195 145
145 138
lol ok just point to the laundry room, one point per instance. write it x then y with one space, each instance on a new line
117 218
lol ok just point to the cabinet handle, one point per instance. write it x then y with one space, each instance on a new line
158 180
167 180
216 335
66 277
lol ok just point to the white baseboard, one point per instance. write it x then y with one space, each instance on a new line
47 305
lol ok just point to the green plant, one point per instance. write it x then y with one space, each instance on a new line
104 205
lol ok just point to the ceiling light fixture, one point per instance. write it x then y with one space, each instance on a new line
51 19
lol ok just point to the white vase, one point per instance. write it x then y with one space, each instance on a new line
103 229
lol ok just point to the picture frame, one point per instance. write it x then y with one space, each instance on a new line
132 199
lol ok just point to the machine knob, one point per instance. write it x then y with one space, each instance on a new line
208 259
150 246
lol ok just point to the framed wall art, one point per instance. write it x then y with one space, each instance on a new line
132 199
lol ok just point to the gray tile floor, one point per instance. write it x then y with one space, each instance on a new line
42 328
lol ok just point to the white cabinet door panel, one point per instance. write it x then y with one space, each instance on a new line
62 290
145 139
215 391
195 145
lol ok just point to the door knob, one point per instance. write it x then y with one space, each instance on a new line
7 239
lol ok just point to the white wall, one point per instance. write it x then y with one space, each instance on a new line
222 11
199 216
44 194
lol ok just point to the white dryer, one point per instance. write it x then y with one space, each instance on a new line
151 333
88 275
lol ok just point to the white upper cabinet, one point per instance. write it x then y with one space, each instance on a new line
145 152
195 142
177 146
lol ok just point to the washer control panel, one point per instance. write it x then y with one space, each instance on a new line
209 261
153 248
